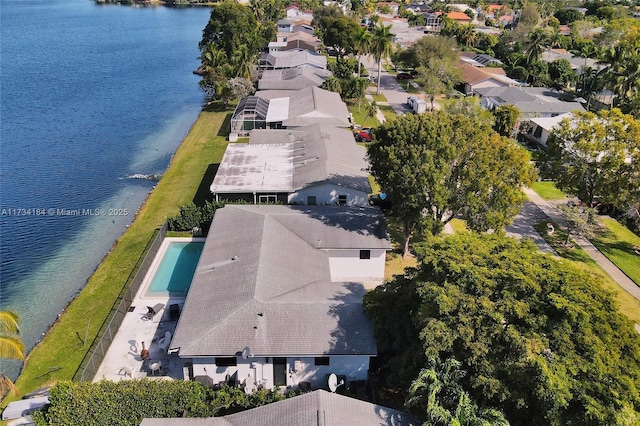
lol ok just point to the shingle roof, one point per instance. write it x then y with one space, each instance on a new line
264 269
311 409
292 78
530 100
296 58
474 75
289 160
311 105
322 408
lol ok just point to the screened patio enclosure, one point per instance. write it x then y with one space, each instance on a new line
251 113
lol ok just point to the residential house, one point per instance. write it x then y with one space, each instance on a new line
311 409
392 5
530 101
315 165
474 78
292 78
276 299
292 59
297 39
457 16
578 64
540 128
277 109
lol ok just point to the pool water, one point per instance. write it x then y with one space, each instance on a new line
173 276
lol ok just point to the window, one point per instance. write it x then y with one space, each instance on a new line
226 362
267 199
342 200
365 254
322 360
311 200
538 132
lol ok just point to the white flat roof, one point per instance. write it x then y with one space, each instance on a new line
271 168
278 110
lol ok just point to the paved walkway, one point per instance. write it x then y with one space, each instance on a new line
552 212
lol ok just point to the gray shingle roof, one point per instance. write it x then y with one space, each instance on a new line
289 160
292 79
295 58
311 105
262 271
530 100
311 409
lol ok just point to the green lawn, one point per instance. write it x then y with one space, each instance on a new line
617 244
629 305
359 115
379 98
182 183
548 191
388 112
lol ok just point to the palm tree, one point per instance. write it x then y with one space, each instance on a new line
538 40
11 346
381 47
622 75
468 35
362 45
243 62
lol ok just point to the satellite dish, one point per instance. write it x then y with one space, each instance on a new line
246 353
333 382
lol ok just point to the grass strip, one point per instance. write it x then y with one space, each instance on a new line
617 243
388 112
548 191
359 113
628 305
186 180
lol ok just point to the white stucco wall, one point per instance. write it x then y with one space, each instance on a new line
328 194
259 371
346 265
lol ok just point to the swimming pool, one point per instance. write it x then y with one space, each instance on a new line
174 270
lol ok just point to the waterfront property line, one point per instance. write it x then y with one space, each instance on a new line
99 347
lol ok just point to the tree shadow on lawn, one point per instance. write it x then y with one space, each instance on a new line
218 106
203 193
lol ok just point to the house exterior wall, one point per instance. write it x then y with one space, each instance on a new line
346 265
253 197
328 194
260 370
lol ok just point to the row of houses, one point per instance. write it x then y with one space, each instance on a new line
276 299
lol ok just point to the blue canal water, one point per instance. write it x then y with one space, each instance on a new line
90 95
172 277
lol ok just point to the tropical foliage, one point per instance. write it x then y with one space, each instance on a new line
596 156
381 47
533 336
437 166
129 401
11 346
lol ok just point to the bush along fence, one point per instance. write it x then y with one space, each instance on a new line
96 353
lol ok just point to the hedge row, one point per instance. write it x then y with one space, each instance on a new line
127 402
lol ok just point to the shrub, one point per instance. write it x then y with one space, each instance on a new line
129 401
192 216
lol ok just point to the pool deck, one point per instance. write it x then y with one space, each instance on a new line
123 360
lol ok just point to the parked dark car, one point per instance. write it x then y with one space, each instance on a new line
382 200
405 76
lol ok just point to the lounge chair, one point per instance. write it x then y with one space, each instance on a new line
152 311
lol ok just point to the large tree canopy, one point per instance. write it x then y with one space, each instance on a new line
596 156
436 59
230 26
534 336
436 166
